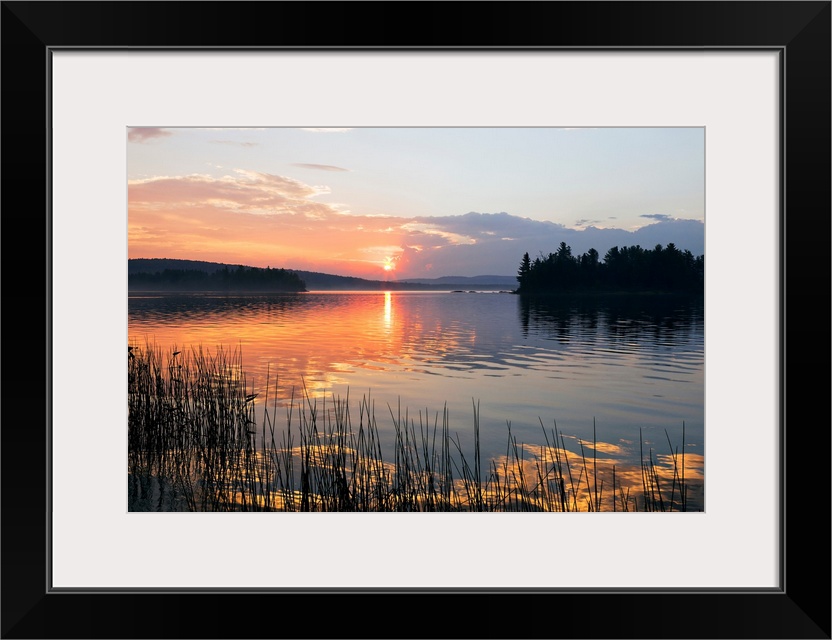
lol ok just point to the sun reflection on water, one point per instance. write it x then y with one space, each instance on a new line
526 363
388 310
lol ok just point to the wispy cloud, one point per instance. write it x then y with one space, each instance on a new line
663 217
450 237
584 222
249 192
145 134
235 143
318 167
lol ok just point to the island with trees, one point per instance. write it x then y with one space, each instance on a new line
626 269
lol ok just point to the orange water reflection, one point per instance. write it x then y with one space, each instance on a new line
322 346
523 364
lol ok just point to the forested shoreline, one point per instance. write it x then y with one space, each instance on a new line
662 269
239 279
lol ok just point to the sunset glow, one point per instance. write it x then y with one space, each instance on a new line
513 278
416 202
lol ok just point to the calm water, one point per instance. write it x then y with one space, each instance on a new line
628 363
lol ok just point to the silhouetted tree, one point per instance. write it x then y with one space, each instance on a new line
239 279
623 269
524 270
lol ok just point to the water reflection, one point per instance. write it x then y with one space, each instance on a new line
620 320
388 310
627 363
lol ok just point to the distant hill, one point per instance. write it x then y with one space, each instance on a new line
189 277
328 282
152 265
467 281
315 280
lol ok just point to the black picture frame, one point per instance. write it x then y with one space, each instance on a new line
799 31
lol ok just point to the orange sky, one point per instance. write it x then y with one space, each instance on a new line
395 203
257 220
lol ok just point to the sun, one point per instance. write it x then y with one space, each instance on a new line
388 265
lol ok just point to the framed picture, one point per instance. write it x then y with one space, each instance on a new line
81 78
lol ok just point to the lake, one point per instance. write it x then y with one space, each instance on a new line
626 371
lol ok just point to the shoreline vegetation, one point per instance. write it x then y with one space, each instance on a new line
163 275
235 279
624 270
629 270
194 445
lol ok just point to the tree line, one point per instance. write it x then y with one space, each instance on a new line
239 279
665 269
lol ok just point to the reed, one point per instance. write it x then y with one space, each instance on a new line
194 445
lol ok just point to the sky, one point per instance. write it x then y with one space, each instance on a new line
394 203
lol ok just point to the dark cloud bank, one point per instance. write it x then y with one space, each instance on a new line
502 239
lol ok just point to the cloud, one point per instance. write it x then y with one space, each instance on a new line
235 143
584 222
145 134
327 129
685 234
437 232
319 167
277 218
248 192
441 246
656 216
381 252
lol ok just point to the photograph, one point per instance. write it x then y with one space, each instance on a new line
416 319
417 313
